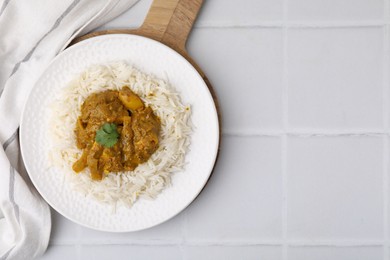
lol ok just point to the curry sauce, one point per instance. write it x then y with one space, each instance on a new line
121 115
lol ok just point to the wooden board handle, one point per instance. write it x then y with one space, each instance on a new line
170 21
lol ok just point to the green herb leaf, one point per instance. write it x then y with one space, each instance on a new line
107 135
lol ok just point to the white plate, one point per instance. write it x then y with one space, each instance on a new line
150 57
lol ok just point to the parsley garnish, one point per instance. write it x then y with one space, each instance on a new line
107 135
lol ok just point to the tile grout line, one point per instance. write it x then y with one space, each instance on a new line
303 133
285 128
284 197
294 24
385 93
385 64
201 243
289 24
385 198
335 243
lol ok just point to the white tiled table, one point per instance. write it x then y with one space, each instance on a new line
304 168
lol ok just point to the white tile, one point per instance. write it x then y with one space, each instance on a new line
104 252
233 253
245 68
335 188
251 12
167 231
243 199
63 230
335 78
60 253
339 10
132 18
335 253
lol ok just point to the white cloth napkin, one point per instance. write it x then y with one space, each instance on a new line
32 33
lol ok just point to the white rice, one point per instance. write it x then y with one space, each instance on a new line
148 179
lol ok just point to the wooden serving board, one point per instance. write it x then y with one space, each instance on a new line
169 22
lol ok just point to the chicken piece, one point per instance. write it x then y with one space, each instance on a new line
128 151
93 161
81 134
146 127
110 161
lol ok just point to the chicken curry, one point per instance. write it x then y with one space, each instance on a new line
116 132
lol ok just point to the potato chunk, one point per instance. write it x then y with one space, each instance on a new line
130 100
